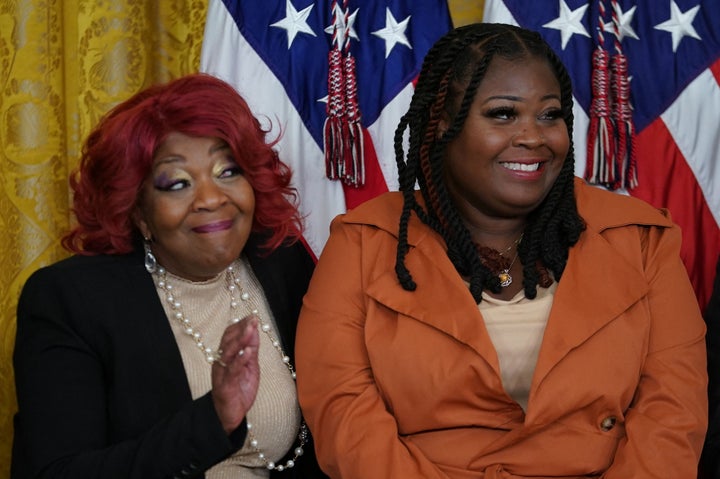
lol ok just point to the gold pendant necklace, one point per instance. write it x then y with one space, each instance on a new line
504 276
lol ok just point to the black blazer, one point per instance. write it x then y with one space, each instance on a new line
101 387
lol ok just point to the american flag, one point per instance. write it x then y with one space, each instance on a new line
673 52
275 52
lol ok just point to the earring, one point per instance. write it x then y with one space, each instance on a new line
150 261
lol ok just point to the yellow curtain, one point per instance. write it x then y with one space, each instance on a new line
464 12
62 66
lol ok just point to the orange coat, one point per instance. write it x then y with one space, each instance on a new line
398 384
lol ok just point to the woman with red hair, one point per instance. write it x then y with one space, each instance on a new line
164 346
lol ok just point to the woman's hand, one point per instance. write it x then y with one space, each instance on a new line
235 377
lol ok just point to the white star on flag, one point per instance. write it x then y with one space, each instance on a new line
393 32
342 27
294 22
569 22
680 24
624 20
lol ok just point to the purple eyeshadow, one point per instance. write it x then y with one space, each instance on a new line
162 181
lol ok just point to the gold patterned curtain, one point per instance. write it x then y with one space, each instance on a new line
62 66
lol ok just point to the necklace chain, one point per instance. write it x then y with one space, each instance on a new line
507 250
213 355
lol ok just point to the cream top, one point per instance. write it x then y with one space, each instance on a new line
516 328
275 414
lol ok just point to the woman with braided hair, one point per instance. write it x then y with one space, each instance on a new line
497 317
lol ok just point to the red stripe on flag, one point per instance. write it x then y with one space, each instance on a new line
666 180
715 69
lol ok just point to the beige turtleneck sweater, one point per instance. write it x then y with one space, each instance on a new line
275 414
516 328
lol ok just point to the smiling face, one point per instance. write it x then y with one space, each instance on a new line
196 206
512 145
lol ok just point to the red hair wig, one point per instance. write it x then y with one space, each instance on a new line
118 156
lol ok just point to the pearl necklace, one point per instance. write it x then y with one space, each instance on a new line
211 355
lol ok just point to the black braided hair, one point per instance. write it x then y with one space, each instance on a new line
451 73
